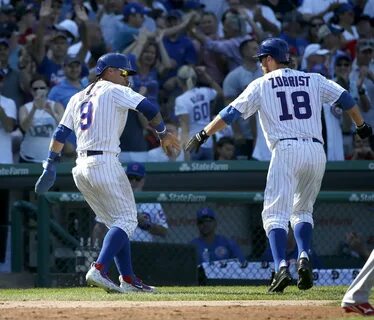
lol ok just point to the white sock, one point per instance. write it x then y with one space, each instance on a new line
283 263
304 255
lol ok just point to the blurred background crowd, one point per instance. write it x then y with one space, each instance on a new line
192 59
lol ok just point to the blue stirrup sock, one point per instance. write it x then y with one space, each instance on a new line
278 243
114 241
303 236
123 260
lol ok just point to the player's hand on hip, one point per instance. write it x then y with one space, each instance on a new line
364 130
170 144
47 179
193 145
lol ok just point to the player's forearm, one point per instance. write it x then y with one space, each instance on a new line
157 123
153 115
356 116
215 125
56 146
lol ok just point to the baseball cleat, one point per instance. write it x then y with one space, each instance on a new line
304 270
281 280
134 284
365 309
97 278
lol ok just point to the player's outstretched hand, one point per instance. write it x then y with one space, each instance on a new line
193 145
47 179
170 144
364 131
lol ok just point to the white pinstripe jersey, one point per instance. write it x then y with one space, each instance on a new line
98 119
196 103
289 103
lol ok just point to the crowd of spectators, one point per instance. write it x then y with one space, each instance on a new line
193 57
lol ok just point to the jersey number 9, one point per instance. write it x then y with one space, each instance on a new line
86 115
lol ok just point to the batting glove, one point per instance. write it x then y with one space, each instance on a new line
196 141
48 177
364 130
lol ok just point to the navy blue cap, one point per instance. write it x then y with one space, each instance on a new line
135 169
70 59
205 213
342 56
344 7
193 4
133 8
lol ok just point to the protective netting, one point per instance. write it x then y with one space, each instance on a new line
176 255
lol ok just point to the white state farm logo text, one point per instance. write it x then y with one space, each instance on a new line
362 197
212 166
14 171
183 197
69 197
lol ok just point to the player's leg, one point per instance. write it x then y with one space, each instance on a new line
129 282
120 203
278 200
356 299
309 178
97 274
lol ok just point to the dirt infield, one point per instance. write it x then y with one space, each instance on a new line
191 310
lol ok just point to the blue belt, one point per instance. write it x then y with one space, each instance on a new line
313 139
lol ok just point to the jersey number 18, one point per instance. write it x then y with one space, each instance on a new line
300 102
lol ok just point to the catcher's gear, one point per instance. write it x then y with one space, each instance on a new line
364 130
276 48
196 141
114 60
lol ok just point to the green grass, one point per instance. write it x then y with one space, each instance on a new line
175 294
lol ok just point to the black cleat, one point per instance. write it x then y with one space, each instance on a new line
281 280
304 270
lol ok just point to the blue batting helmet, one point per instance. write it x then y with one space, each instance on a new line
114 60
274 47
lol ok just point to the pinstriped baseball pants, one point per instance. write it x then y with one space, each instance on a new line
293 182
104 185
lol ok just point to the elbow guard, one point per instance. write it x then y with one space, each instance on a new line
61 133
148 109
229 114
346 101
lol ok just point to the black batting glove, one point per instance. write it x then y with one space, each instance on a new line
364 130
196 141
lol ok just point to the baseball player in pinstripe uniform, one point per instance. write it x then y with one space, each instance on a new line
356 299
97 115
289 103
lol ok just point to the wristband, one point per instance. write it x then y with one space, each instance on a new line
52 156
162 134
160 128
